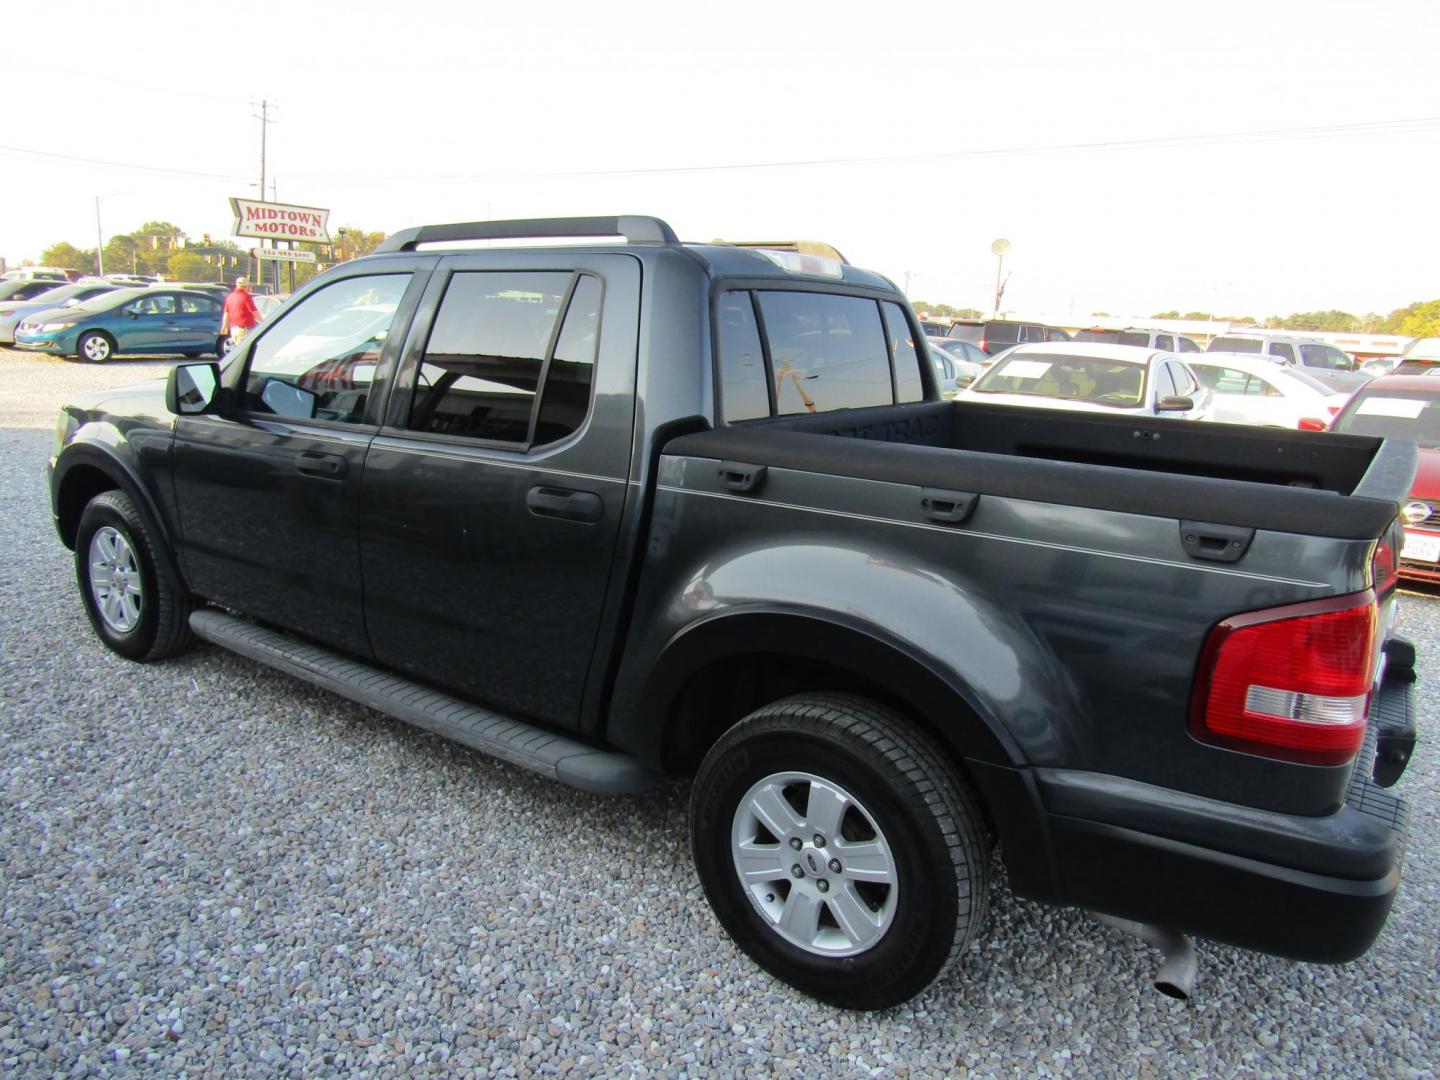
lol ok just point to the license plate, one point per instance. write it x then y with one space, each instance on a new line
1421 548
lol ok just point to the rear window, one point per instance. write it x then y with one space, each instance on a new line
1393 415
1004 332
908 386
967 332
827 352
1236 344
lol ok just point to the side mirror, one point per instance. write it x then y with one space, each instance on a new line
1175 404
191 389
132 313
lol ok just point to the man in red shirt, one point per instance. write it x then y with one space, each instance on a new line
240 313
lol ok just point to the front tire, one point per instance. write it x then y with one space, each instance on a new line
136 605
840 849
95 347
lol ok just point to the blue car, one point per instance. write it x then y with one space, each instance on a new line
14 312
127 321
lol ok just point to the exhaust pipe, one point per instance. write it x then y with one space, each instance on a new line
1176 977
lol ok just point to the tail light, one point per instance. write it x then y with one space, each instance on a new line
1289 682
1307 424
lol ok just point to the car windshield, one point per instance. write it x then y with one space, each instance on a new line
107 301
1118 384
1395 415
59 293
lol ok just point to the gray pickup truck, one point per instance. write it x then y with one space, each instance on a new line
616 510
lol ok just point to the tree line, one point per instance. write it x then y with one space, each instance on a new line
163 248
1420 319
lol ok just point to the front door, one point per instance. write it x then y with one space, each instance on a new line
268 491
494 495
150 324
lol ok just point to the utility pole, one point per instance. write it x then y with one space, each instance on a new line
265 122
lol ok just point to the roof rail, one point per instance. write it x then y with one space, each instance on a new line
800 247
634 228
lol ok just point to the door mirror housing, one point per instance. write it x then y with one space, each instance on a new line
192 389
1175 404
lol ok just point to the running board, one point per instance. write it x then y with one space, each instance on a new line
601 771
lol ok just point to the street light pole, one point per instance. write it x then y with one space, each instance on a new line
99 242
998 249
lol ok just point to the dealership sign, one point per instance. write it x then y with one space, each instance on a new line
277 221
283 254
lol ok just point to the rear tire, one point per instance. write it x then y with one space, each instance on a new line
136 605
840 849
95 346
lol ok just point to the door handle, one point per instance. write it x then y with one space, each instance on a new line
566 503
326 466
951 507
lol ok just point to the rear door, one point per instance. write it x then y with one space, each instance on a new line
268 493
494 493
199 322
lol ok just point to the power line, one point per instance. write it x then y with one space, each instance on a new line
1416 125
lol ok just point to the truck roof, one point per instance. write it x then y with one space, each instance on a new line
642 234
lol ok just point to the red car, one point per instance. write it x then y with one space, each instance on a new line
1407 407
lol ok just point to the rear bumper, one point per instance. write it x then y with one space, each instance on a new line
1307 888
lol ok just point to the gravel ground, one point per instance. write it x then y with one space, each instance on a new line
209 868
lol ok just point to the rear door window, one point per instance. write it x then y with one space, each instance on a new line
1283 351
826 351
1165 341
490 352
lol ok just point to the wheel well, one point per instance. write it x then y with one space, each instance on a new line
726 691
81 484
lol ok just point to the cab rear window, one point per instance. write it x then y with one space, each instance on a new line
784 352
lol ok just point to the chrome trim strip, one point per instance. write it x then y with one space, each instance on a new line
528 466
1048 544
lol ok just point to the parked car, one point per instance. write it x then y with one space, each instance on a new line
1152 339
37 273
128 321
931 329
1334 367
138 281
13 312
1407 407
19 289
1252 390
213 287
961 350
954 374
1380 365
1419 356
996 335
616 511
1088 377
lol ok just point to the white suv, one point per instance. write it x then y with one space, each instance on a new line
1330 365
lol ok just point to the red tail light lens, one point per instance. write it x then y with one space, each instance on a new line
1307 424
1290 682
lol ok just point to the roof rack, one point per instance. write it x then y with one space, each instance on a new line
634 228
800 247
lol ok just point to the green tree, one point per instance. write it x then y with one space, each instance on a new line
66 256
189 266
1420 319
1166 315
1197 316
1327 321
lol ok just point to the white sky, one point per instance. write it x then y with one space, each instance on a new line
399 114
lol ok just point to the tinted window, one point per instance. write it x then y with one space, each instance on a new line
482 364
1164 341
908 386
320 360
1283 351
828 352
742 362
1235 344
966 332
565 398
1186 345
1002 333
1324 356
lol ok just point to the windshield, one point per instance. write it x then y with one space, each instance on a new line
1118 384
61 292
106 301
1393 415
